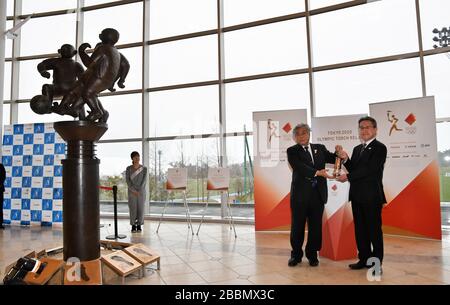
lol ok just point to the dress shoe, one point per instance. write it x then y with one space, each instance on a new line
314 262
133 229
138 228
358 266
294 261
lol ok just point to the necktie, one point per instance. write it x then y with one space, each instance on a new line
309 154
310 158
362 149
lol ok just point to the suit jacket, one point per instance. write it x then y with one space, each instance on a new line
2 178
303 171
366 173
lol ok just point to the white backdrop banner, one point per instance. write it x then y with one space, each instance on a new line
338 229
271 138
331 131
411 174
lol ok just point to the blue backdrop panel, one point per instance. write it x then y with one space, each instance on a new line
32 155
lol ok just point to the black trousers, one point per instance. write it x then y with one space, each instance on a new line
368 232
310 212
1 208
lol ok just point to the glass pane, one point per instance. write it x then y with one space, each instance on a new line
278 93
323 3
33 6
238 11
127 19
195 154
184 61
30 81
134 77
26 115
125 116
94 2
7 82
175 17
10 7
443 129
437 74
114 159
350 90
47 34
269 48
6 112
433 15
372 30
184 111
8 42
241 182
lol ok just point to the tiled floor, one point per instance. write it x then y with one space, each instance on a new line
216 257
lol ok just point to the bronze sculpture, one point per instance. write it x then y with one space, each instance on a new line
66 72
105 67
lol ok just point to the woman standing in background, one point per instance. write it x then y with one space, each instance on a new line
136 177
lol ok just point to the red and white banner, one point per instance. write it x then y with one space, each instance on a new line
337 227
176 179
272 135
218 179
411 174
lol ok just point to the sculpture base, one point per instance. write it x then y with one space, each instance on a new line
81 207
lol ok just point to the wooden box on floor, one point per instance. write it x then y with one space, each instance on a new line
121 263
90 273
53 267
143 255
9 267
114 245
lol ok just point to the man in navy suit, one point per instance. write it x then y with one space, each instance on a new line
309 193
365 175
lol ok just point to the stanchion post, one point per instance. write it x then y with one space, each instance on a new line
116 232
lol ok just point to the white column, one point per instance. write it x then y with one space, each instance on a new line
15 67
79 27
2 62
222 104
146 95
312 100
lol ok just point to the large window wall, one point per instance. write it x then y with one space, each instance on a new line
199 68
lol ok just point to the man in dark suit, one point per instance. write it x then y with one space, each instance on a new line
366 191
309 193
2 189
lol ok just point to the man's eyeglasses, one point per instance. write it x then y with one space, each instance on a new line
365 127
